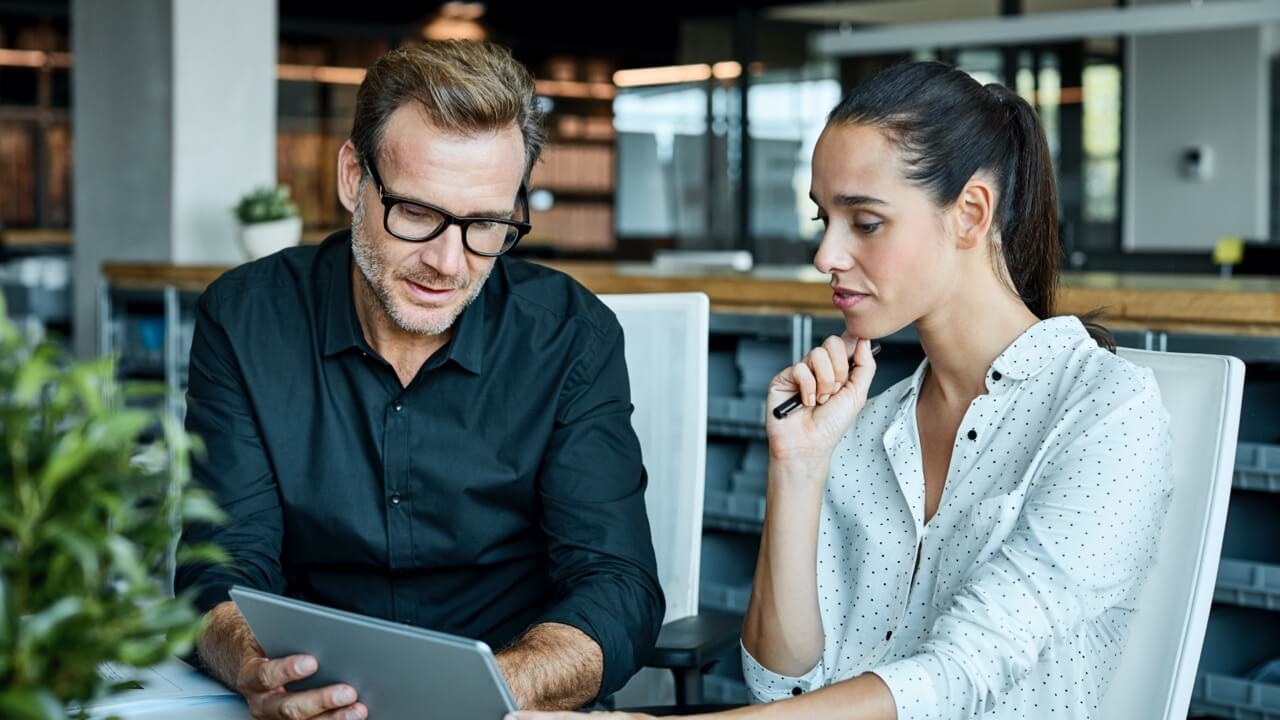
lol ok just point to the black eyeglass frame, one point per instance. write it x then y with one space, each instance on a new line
389 201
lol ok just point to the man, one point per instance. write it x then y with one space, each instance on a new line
402 423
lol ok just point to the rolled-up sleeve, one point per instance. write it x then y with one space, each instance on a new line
592 483
1083 543
765 685
234 467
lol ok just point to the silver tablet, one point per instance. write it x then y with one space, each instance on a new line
399 671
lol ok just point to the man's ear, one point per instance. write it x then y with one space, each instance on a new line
350 170
974 212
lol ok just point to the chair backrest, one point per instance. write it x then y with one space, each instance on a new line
666 345
1155 677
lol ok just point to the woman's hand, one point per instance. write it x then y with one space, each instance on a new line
832 393
531 715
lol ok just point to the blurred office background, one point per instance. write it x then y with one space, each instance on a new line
130 129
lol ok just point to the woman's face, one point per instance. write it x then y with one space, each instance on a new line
885 244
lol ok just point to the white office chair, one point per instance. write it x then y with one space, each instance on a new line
666 346
1202 394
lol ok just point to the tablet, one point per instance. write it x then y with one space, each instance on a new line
399 671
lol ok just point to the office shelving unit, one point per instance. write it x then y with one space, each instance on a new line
1244 626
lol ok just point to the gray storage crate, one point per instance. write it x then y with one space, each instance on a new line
758 362
728 564
723 459
750 481
721 690
1235 698
722 373
1248 584
740 411
753 476
725 597
1238 641
733 511
1258 467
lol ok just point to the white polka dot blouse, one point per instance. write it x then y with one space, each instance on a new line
1059 482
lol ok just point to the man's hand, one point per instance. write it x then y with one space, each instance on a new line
232 655
261 681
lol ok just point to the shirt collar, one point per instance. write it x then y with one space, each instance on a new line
1038 346
341 325
337 300
470 338
1029 354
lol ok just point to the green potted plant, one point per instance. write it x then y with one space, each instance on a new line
91 495
269 221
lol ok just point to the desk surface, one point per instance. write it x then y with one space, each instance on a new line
1178 303
230 708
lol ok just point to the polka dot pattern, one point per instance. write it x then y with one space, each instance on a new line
1059 482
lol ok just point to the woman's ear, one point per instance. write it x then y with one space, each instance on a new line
974 212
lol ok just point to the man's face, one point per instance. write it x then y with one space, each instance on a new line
423 287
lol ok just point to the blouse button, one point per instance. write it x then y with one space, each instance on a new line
995 375
973 435
795 691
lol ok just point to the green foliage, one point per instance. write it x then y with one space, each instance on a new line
266 204
88 512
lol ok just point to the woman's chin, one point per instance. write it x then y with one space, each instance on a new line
871 329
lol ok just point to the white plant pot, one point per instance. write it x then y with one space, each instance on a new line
262 239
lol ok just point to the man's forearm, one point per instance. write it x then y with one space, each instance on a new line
225 643
553 667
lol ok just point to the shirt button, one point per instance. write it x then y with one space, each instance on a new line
395 498
795 691
398 406
995 375
973 435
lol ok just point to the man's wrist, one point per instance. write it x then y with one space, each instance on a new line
226 644
552 666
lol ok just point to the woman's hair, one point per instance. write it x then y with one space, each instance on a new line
947 127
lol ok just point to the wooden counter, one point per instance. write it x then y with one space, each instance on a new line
1176 303
36 238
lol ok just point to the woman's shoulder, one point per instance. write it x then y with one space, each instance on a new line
1092 371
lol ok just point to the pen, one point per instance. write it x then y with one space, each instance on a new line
786 407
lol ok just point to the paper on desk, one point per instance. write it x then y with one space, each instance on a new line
168 686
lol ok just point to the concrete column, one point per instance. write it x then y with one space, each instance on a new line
173 119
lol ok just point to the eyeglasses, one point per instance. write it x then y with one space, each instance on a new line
415 221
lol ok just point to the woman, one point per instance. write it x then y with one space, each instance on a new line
969 543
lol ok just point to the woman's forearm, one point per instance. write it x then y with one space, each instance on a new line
783 627
864 697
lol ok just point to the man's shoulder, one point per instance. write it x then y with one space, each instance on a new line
282 275
554 294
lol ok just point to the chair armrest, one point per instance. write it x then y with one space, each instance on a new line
696 641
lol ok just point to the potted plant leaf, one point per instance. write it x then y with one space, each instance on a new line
92 493
269 221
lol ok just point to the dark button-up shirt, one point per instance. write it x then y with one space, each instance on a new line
501 489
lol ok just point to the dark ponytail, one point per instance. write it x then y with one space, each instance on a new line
949 127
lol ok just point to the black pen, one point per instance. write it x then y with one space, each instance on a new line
786 407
